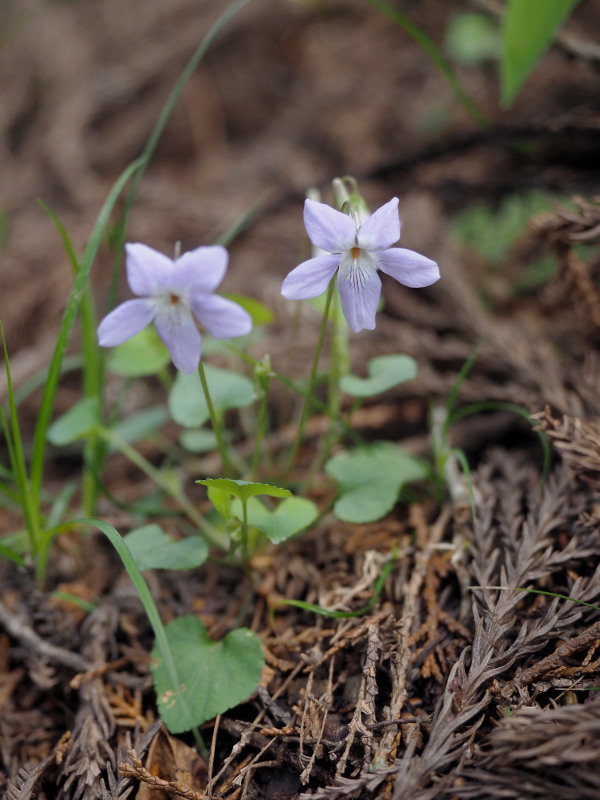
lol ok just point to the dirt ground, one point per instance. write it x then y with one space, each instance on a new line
442 690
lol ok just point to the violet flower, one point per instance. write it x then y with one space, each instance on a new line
359 250
174 295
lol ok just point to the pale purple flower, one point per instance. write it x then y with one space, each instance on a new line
359 250
174 295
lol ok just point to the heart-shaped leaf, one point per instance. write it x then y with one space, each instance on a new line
143 354
214 676
243 490
198 440
76 423
228 389
292 515
370 479
261 314
384 373
153 549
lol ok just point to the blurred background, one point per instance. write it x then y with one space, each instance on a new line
292 94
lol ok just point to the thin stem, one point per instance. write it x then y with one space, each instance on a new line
216 422
166 485
261 429
245 532
312 378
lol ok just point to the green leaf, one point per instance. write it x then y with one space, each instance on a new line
472 39
228 389
370 480
214 676
80 286
243 490
11 555
198 440
143 354
74 424
261 314
221 500
153 549
384 373
142 424
292 515
528 29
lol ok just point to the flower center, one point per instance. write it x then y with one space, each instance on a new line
174 299
355 252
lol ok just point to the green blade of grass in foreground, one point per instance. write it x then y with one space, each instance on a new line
378 587
158 130
16 452
151 610
91 366
79 286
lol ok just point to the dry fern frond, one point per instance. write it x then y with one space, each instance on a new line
539 753
577 441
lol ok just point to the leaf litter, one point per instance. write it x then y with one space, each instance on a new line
456 683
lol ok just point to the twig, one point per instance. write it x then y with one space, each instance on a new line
18 628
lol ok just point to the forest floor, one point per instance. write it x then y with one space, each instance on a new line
454 684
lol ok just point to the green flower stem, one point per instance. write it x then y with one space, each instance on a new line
216 423
245 532
312 378
211 535
261 429
293 387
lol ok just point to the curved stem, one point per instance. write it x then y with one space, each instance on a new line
173 490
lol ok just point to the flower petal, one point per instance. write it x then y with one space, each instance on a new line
221 317
125 321
327 228
181 337
148 271
311 278
359 292
200 271
382 229
407 267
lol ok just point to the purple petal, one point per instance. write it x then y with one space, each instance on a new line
222 318
311 278
327 228
200 271
407 267
125 321
359 293
181 337
148 271
382 229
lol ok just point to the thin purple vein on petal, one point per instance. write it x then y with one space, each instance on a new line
181 337
359 295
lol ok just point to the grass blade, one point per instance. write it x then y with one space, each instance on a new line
147 601
79 287
438 58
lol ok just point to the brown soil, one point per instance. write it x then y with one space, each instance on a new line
440 691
